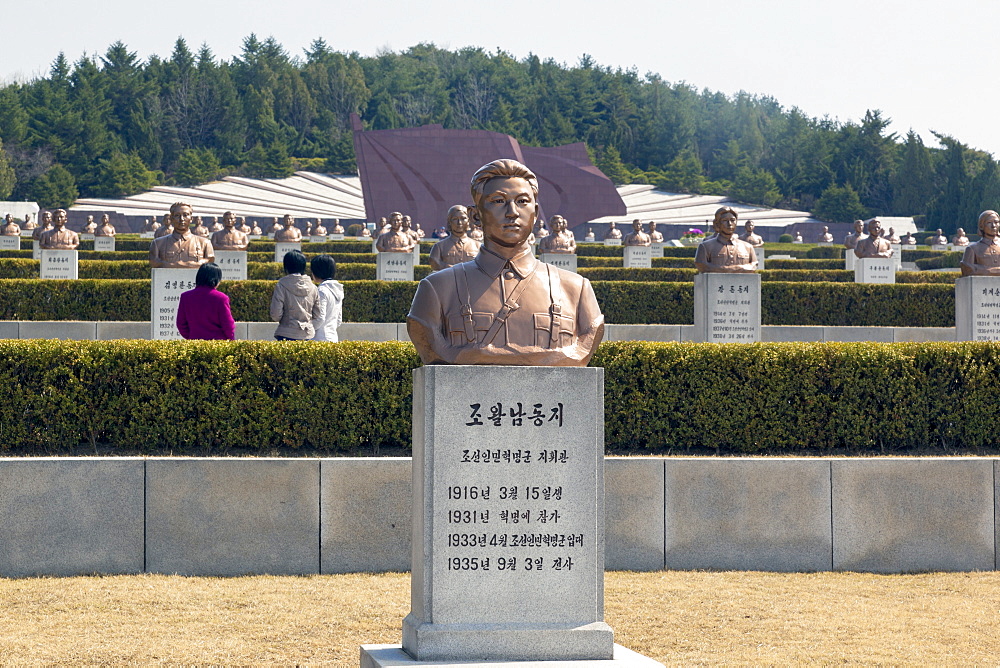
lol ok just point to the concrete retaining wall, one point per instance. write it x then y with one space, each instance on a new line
229 516
391 331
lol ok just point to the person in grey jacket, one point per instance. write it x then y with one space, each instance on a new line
295 301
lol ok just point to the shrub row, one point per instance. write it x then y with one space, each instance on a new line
212 397
623 302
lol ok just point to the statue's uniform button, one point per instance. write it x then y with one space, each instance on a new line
509 275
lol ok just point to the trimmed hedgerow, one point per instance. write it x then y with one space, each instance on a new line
209 397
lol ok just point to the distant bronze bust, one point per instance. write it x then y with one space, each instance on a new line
151 225
960 239
655 235
89 226
216 225
613 232
873 245
725 252
395 239
825 236
852 239
105 229
408 228
229 238
180 248
638 237
10 228
29 222
276 226
983 257
241 225
337 227
750 236
200 229
505 307
457 247
318 229
59 237
288 231
46 225
938 239
893 238
561 240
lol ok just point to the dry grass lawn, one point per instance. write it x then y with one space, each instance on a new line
680 618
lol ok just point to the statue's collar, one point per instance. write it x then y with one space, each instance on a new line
492 264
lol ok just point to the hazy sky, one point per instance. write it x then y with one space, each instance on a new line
921 62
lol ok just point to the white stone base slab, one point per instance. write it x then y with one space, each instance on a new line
283 247
565 261
727 308
59 264
8 242
377 656
875 270
233 264
395 267
104 244
977 308
167 285
637 257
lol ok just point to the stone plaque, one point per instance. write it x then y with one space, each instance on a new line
760 258
317 239
147 235
612 242
167 286
335 237
939 247
86 236
416 254
824 243
254 237
233 264
727 308
909 247
59 264
395 267
104 244
850 259
897 255
637 257
875 270
26 233
282 247
508 515
10 243
656 249
565 261
977 308
36 250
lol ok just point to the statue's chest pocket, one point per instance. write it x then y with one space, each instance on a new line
456 328
544 330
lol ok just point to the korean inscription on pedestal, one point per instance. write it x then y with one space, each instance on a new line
727 308
233 264
58 264
167 286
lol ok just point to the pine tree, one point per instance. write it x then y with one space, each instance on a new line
54 189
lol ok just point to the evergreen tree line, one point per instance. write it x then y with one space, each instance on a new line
112 126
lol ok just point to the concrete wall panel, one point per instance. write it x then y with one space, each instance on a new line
633 497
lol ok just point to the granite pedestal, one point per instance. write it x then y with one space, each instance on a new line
59 264
875 270
104 244
508 515
233 264
10 242
637 257
727 308
167 286
282 247
565 261
977 308
394 267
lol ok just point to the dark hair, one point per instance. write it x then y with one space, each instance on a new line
295 262
208 274
324 267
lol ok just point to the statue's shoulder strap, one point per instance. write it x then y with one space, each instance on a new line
555 308
462 289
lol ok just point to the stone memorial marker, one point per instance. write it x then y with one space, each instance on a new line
36 250
508 550
760 259
897 255
727 308
104 244
167 286
939 247
612 242
147 235
565 261
233 264
10 242
850 259
282 247
824 243
874 270
977 308
656 249
318 238
395 267
26 233
336 236
86 236
59 264
637 257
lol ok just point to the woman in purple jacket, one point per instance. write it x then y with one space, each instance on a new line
203 313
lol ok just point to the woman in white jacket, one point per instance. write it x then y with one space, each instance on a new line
331 299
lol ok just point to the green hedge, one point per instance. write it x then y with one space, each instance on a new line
202 397
623 302
941 260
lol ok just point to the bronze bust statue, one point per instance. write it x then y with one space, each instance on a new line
725 252
200 229
288 231
318 230
852 239
655 236
46 225
10 228
613 232
337 227
505 307
180 248
983 257
938 239
638 237
151 225
395 239
750 236
873 245
960 239
893 238
59 237
826 237
229 238
89 226
105 229
457 247
216 225
408 228
561 240
29 223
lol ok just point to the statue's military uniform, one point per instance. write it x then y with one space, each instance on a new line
453 250
181 250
